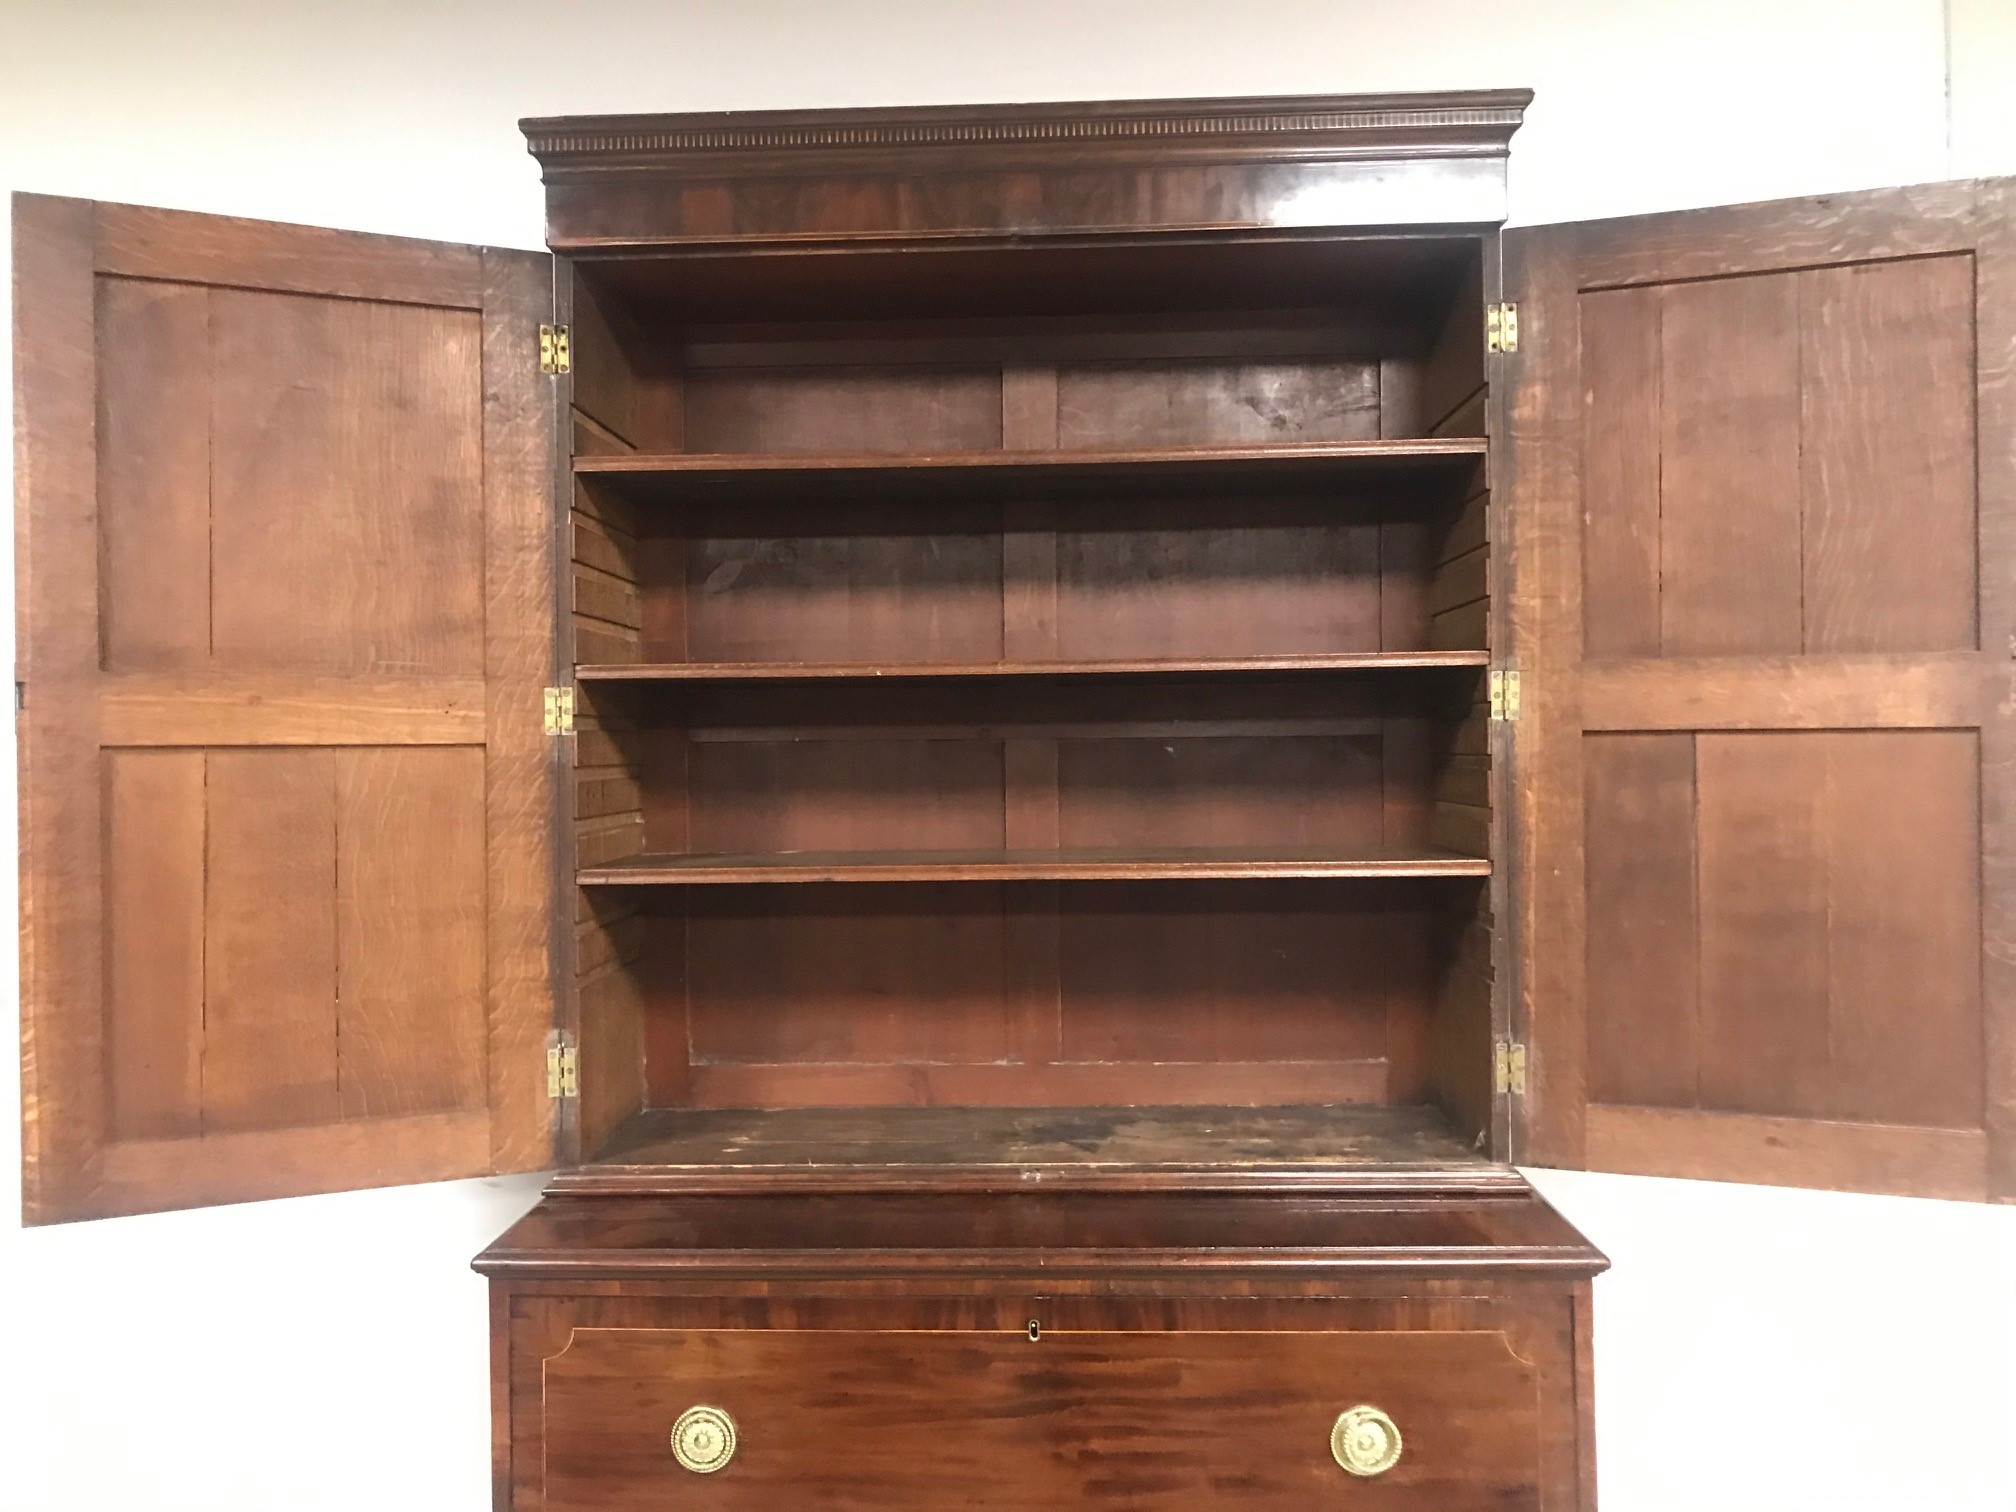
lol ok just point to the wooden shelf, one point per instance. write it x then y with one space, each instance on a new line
671 476
1070 865
718 672
1384 1147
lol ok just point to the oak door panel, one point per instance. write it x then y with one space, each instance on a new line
1744 934
1765 560
1782 462
285 615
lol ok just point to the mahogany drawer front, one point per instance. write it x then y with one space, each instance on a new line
840 1418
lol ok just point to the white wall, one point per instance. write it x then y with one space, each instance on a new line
1775 1351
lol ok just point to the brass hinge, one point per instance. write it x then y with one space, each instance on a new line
559 711
1501 328
1508 1070
1505 694
563 1071
553 354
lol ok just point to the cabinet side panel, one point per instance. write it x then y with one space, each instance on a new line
522 765
63 1114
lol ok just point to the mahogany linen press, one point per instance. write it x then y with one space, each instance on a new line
1032 743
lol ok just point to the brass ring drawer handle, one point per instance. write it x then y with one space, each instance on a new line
703 1440
1365 1441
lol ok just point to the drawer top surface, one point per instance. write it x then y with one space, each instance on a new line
1039 1234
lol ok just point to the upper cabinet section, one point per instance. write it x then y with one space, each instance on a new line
1294 163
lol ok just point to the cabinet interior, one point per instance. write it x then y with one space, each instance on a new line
1031 678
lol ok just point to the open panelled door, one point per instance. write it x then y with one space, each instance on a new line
285 617
1762 483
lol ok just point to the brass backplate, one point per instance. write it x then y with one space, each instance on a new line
703 1440
1364 1441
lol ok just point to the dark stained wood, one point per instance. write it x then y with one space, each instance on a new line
611 1027
868 610
1183 579
524 865
1023 289
1621 548
1503 1273
1800 841
1761 935
226 252
740 412
1772 535
969 1241
1008 1149
1024 170
1353 661
1452 371
1001 866
1904 808
1730 387
1240 976
1102 1084
605 988
1889 347
1098 1418
1582 1443
501 1476
1753 872
1187 811
1341 319
814 797
1931 692
1253 992
1643 919
667 477
893 984
1440 1287
1831 1154
875 600
624 383
906 586
299 920
876 585
1307 792
1140 406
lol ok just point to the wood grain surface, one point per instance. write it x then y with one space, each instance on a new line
1761 611
284 565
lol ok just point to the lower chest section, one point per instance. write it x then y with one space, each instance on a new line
616 1396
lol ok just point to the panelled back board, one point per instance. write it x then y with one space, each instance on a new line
284 623
1766 530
